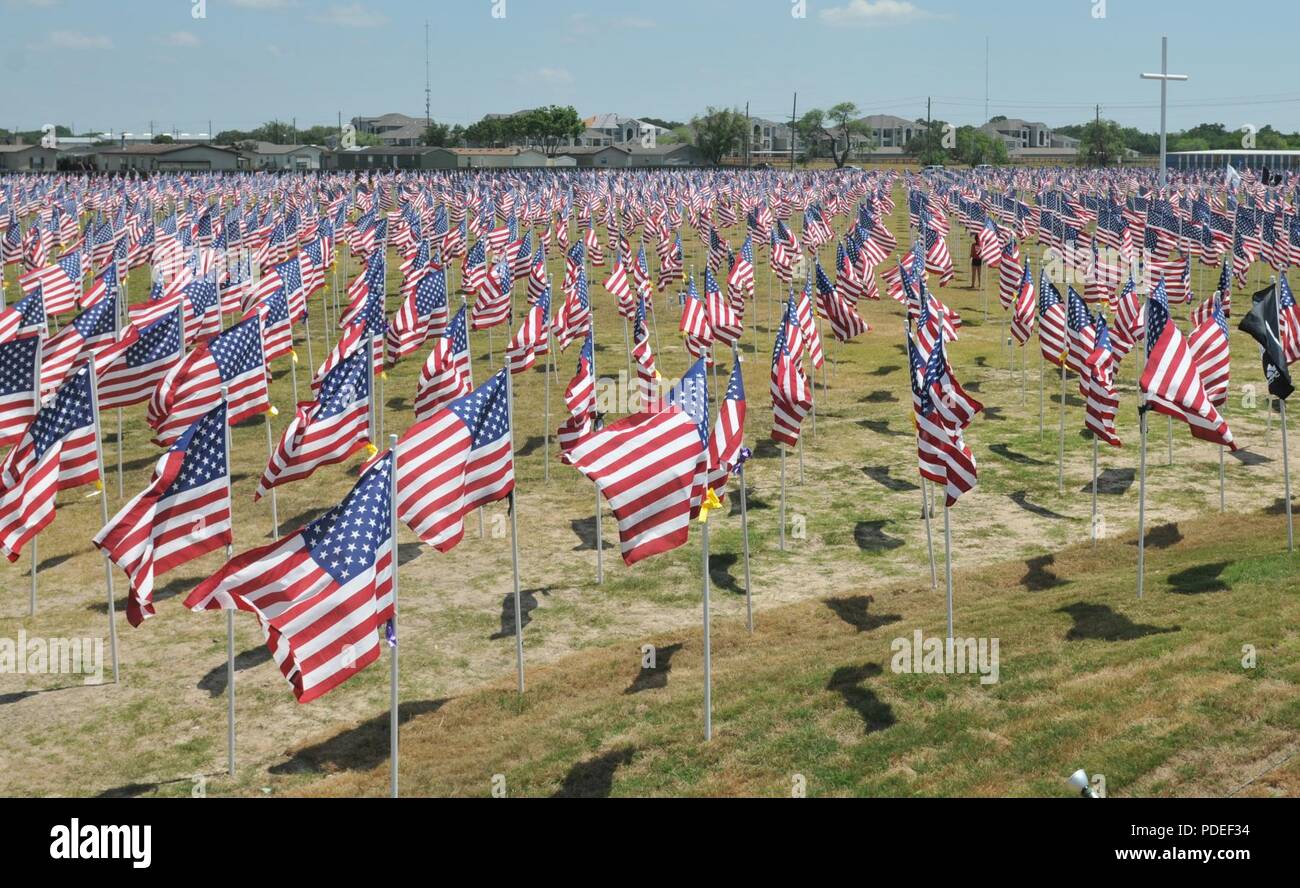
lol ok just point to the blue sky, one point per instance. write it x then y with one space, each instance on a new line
120 63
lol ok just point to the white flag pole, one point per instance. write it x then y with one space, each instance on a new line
514 536
36 408
103 507
708 657
926 512
1142 497
947 563
1060 454
230 613
782 538
270 454
392 650
1094 489
1286 462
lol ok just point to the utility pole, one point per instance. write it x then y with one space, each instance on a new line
794 109
986 79
1164 77
295 129
748 135
428 121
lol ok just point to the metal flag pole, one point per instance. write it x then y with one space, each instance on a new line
270 454
514 536
36 408
119 453
392 648
781 449
1042 397
708 654
230 613
1060 454
1142 496
103 508
1286 462
546 409
311 362
929 537
744 542
1094 489
1222 502
947 563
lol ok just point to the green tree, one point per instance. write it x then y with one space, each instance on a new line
811 133
1101 143
163 139
718 132
437 134
927 145
555 125
975 146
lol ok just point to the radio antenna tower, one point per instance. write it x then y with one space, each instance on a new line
428 122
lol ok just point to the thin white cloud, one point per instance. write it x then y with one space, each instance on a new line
552 76
273 49
179 38
264 4
352 15
875 13
39 4
75 40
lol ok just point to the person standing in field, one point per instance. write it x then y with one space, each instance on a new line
976 265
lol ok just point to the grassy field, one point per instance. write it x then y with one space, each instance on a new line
854 491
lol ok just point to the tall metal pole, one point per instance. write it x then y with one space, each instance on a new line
392 651
708 658
230 613
1164 77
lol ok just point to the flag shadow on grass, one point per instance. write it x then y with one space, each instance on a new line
214 682
1112 482
752 503
656 678
1021 499
1200 579
880 427
1015 456
870 536
175 586
853 609
846 681
585 530
527 604
720 565
594 778
881 475
356 749
1162 536
1099 623
1038 577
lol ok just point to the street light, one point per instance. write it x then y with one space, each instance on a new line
1164 77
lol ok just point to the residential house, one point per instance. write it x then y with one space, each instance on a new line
170 157
270 156
27 158
392 130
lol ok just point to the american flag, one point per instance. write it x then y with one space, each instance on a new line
646 372
1098 384
1025 306
106 284
458 459
1288 320
648 467
59 451
423 314
18 398
937 258
725 323
183 514
791 393
1208 342
277 328
193 386
1171 382
492 302
60 282
694 323
1082 337
741 279
1051 321
574 316
322 593
532 338
1010 275
809 334
728 430
27 315
132 367
617 286
580 399
90 333
349 339
445 375
941 450
327 431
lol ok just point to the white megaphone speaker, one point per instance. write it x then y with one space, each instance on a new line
1079 780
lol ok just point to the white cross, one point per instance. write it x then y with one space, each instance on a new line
1164 77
